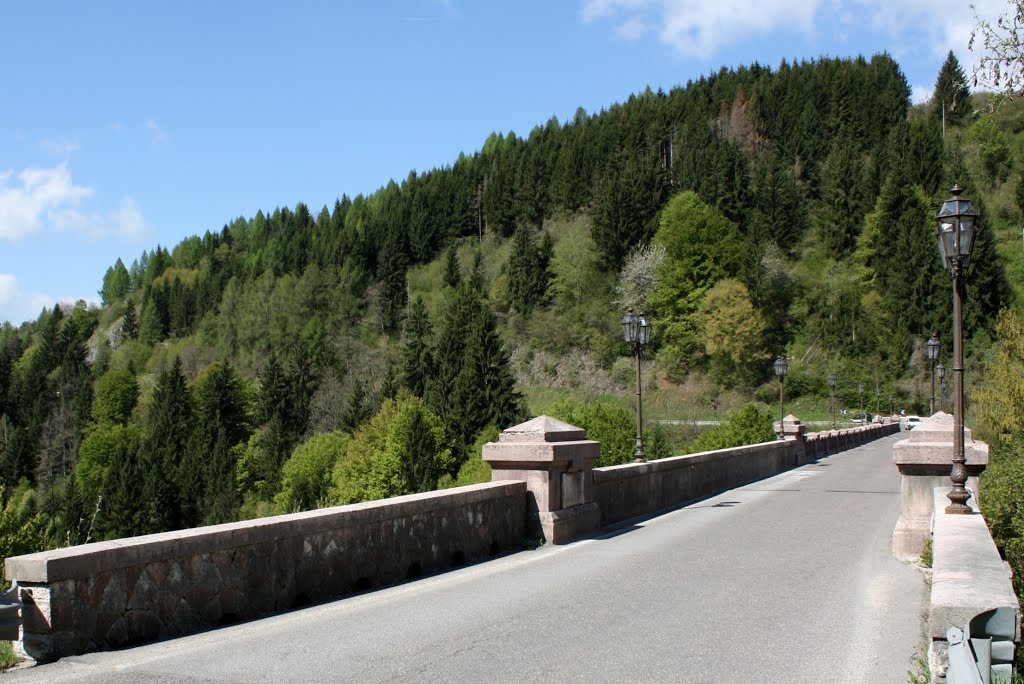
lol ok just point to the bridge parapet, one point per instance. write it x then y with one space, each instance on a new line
924 460
969 580
127 591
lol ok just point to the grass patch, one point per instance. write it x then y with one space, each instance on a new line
920 672
926 553
7 657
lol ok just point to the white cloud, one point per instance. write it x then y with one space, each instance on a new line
17 306
696 28
631 29
39 193
159 135
921 93
41 198
700 29
125 222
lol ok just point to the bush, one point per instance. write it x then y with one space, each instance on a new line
750 425
614 427
306 476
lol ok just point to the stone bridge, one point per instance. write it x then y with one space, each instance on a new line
125 592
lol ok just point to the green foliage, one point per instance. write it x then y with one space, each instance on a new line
750 425
613 426
702 246
952 95
306 476
733 333
115 283
116 395
21 525
400 450
100 447
993 149
529 270
474 469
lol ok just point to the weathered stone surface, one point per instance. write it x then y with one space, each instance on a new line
924 460
968 574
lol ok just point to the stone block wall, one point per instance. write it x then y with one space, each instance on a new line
127 591
634 489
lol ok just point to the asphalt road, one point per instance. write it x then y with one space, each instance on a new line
787 580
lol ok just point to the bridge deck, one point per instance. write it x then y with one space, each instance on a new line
787 580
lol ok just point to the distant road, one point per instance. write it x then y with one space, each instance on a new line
786 581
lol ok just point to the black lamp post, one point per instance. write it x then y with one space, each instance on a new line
832 384
860 389
940 371
892 405
933 354
781 366
637 332
956 221
878 399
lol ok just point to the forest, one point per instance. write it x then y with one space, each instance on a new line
302 358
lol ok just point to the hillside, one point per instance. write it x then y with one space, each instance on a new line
297 358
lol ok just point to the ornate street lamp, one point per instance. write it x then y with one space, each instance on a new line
832 384
860 388
781 365
933 354
956 222
637 332
892 405
940 371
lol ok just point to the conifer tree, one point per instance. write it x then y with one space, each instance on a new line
452 270
358 408
484 392
130 324
842 205
392 272
952 95
121 511
417 361
165 447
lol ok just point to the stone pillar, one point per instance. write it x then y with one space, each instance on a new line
557 462
925 459
792 428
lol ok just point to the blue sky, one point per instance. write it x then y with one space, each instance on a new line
124 125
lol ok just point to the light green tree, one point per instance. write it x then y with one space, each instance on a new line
306 475
733 332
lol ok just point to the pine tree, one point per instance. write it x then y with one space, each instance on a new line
841 207
165 447
417 361
121 513
130 324
952 95
452 270
392 272
484 392
358 408
529 270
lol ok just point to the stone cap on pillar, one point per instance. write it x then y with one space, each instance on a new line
931 441
790 427
542 440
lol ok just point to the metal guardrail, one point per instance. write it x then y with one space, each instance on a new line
982 652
